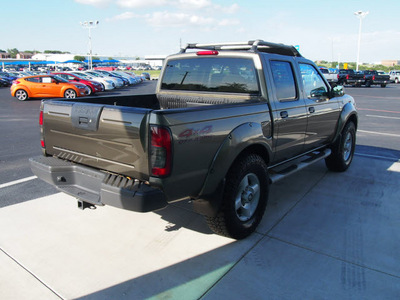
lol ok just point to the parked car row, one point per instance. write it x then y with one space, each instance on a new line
70 84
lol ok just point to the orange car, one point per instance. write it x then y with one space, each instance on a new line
45 86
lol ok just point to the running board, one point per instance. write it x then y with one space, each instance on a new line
283 171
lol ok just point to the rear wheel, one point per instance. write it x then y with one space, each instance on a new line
244 200
343 150
21 95
70 94
383 85
90 91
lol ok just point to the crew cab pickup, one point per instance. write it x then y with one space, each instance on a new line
349 76
227 120
374 78
330 76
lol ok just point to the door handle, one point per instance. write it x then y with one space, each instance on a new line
284 114
311 110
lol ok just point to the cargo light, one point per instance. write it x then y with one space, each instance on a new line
160 151
208 52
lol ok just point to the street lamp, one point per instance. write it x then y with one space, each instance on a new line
359 14
89 25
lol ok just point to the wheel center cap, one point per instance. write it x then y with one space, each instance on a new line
247 196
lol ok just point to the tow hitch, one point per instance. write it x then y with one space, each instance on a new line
83 204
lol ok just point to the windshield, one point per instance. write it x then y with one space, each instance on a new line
96 74
211 74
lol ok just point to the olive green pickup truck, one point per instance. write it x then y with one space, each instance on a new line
227 120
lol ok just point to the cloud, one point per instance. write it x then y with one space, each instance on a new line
93 2
192 4
141 3
124 16
167 19
164 19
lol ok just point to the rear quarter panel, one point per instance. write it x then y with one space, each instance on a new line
196 144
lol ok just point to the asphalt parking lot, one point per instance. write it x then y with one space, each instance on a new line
324 235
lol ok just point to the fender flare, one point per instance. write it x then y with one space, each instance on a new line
248 136
349 112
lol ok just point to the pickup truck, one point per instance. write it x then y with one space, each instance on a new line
349 76
394 76
374 78
330 76
226 121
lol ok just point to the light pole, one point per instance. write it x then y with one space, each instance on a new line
359 14
89 25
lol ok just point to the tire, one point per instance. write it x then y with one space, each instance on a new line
21 95
70 94
343 150
90 91
244 200
383 85
368 83
396 80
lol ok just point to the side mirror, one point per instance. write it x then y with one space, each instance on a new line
338 91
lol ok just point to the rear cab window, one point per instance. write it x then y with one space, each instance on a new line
213 74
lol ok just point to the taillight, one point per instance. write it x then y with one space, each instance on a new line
16 82
347 76
41 126
160 151
373 77
208 52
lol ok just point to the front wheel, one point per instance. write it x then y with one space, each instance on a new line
343 150
21 95
244 200
70 94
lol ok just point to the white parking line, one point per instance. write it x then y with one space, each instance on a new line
379 133
376 156
383 117
4 185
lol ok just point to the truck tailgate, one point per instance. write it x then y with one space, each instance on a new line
107 137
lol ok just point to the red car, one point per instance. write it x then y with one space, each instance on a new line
93 86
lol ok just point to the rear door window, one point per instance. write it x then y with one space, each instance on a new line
283 77
230 75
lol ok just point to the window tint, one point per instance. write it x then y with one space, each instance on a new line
33 79
285 85
229 75
314 85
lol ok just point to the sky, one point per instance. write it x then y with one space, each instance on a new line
323 30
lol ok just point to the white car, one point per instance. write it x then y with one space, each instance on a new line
107 84
131 79
395 76
118 82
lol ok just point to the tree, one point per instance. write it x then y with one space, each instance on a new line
13 52
80 58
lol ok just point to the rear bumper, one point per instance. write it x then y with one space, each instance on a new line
96 187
